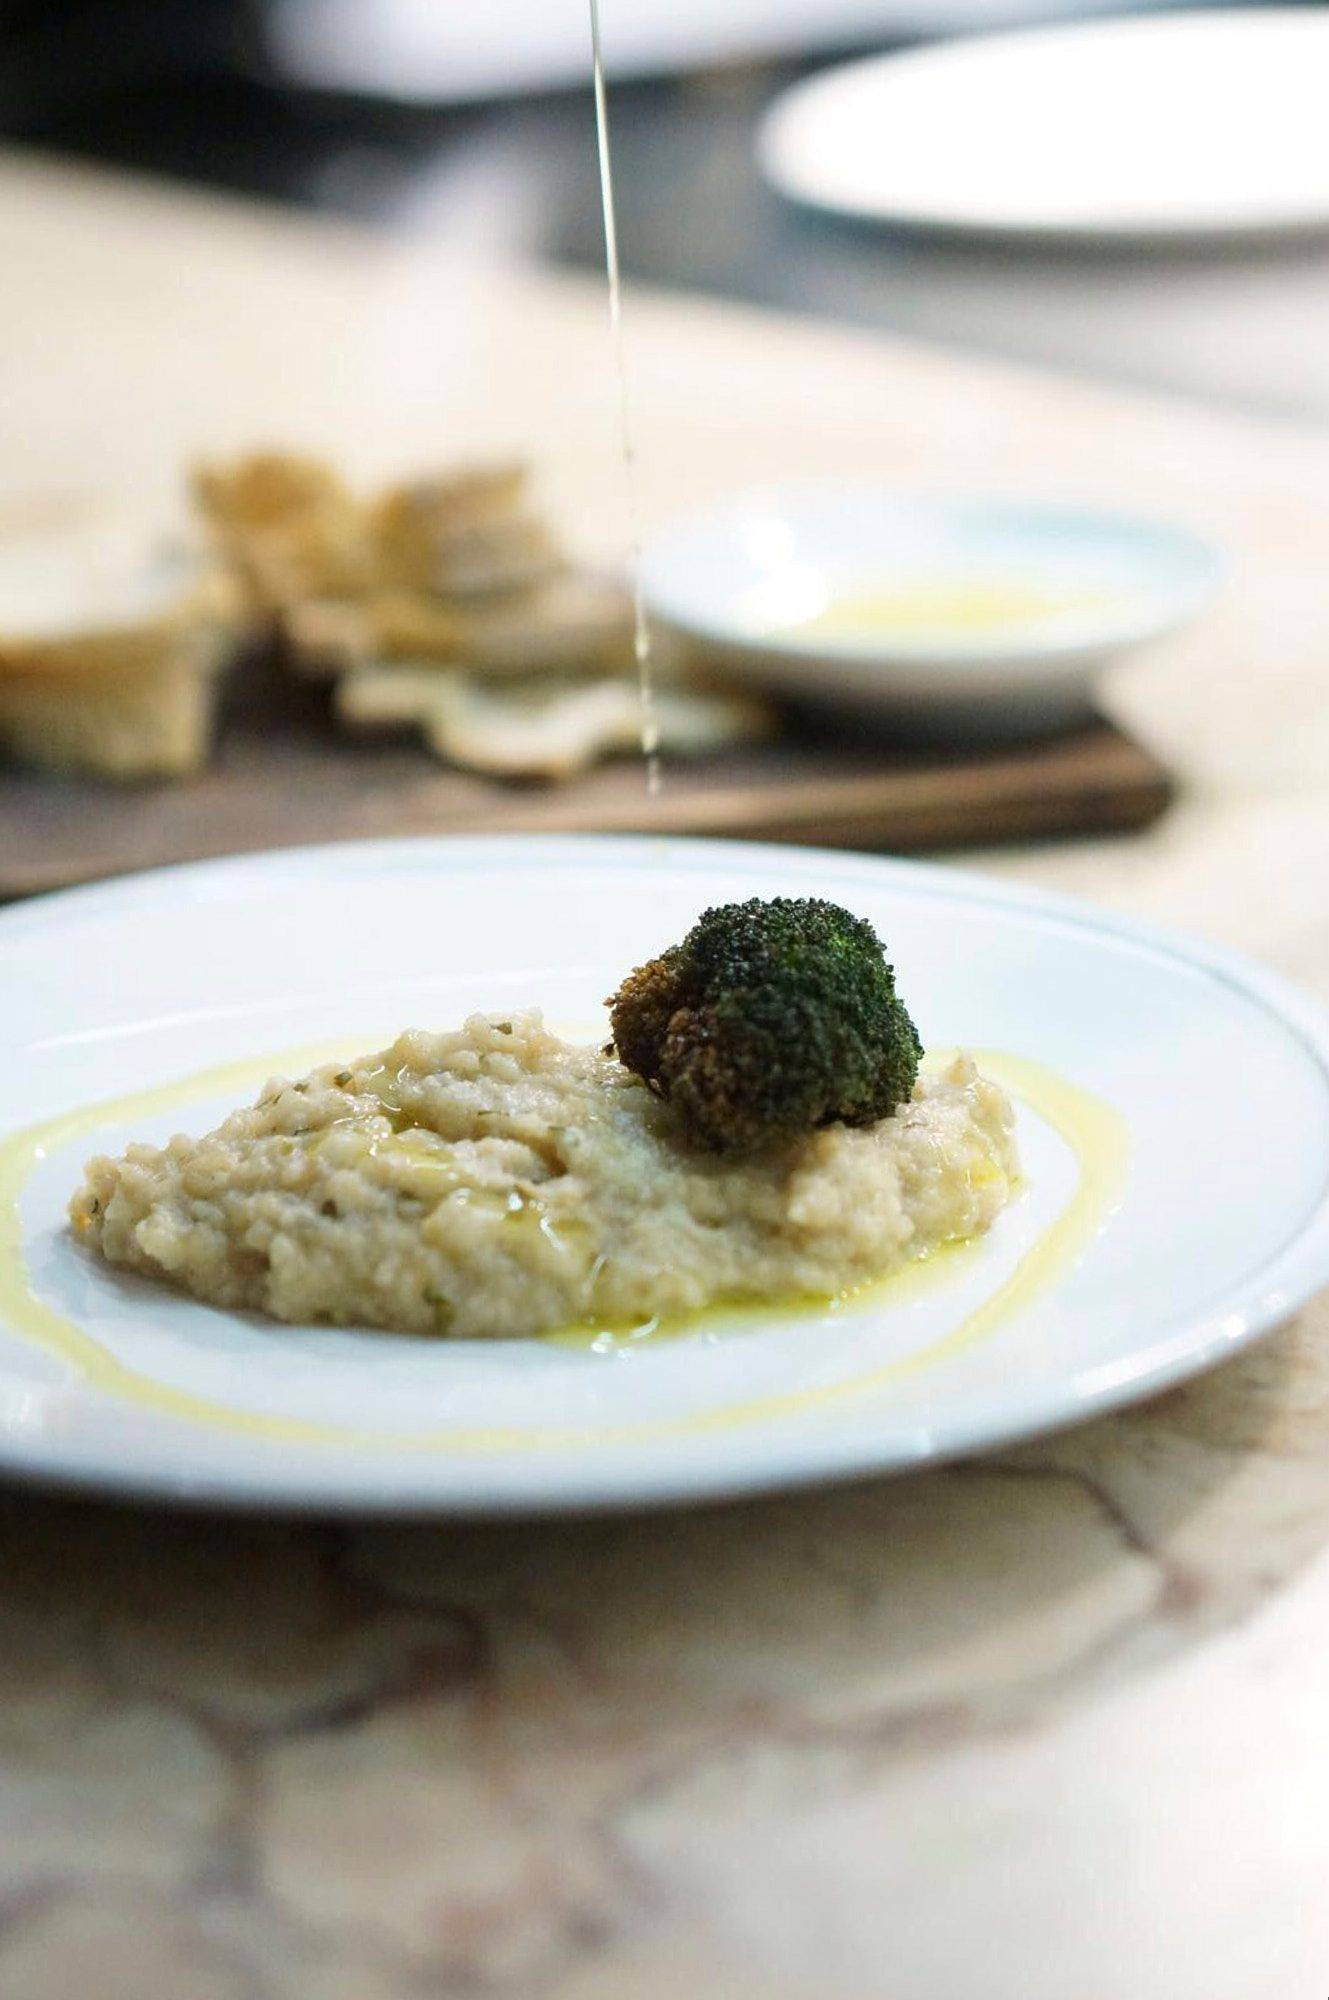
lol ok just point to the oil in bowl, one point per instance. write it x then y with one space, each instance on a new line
946 611
955 617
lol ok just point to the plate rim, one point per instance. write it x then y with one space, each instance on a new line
1182 1347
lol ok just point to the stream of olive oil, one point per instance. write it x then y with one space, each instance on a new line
641 640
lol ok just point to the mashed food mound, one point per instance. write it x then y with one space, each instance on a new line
499 1181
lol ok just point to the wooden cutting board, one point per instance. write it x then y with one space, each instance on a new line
284 776
388 355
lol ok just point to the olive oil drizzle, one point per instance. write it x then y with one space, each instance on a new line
641 631
1094 1133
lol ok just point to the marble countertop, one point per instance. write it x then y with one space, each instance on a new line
1049 1723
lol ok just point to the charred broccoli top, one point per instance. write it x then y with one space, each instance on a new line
770 1019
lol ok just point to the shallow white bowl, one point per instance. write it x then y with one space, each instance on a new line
1194 125
1187 1214
744 578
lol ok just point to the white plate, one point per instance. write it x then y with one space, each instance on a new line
1211 1224
750 577
418 52
1168 126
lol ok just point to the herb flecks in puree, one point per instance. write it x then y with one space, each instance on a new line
498 1180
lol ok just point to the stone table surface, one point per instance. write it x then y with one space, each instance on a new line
1050 1723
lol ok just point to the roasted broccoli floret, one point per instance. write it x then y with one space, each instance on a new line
770 1019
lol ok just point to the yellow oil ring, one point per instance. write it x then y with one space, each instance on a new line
1092 1130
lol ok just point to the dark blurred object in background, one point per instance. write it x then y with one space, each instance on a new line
60 63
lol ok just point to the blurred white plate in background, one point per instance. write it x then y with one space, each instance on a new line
968 616
424 52
1168 126
419 51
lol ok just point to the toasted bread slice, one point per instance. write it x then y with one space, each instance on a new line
151 721
288 526
575 622
541 728
408 519
293 531
480 561
109 651
462 534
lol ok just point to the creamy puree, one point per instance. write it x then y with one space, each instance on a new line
500 1181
